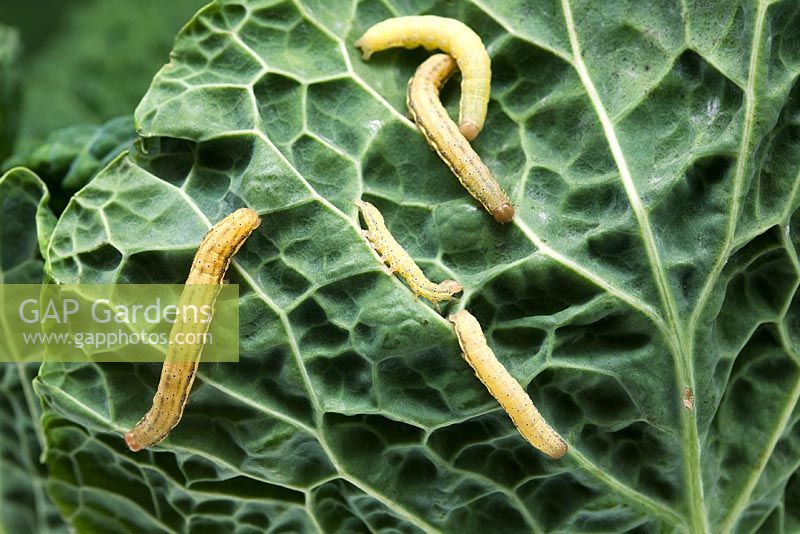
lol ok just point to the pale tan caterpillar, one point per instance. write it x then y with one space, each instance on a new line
399 260
180 367
440 132
504 388
453 37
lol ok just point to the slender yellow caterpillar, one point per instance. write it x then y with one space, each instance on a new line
504 388
453 37
440 132
398 259
177 376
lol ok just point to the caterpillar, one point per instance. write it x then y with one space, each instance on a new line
399 260
451 36
504 388
443 136
180 366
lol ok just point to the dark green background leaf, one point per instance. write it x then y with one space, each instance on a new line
92 60
68 158
9 88
25 504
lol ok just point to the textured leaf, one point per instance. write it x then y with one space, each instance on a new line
25 504
651 151
68 158
9 88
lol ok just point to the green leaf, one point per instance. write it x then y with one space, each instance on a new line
25 504
27 224
68 158
650 149
9 88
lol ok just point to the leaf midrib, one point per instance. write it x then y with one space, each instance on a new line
684 371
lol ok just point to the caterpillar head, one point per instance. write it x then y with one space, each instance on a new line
469 129
132 442
503 213
451 286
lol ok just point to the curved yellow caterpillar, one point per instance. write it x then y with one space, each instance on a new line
398 259
504 388
440 132
453 37
177 376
